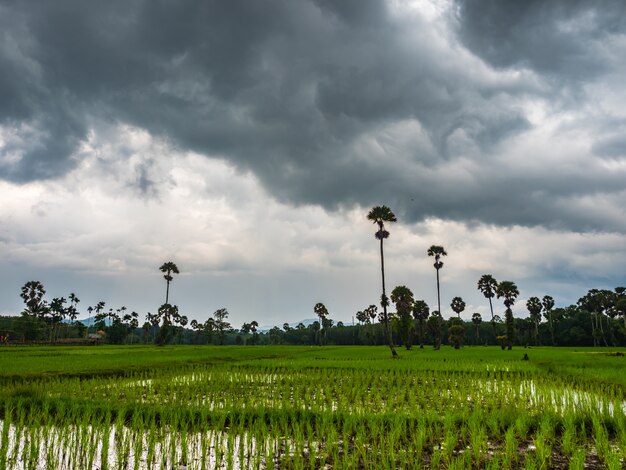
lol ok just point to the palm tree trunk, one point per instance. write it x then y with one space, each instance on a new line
438 294
602 329
387 328
536 332
167 292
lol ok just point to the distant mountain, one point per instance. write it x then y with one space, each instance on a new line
89 321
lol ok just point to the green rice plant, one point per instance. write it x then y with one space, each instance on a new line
4 435
577 460
601 439
510 455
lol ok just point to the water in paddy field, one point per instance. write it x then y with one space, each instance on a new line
85 447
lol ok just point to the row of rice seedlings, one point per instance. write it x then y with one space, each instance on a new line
382 442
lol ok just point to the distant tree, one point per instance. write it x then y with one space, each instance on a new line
457 306
315 327
168 268
322 312
275 335
56 313
620 303
456 332
220 324
437 251
32 294
548 304
488 285
379 215
533 304
182 321
166 313
245 331
253 329
72 310
403 298
435 324
508 290
421 312
477 319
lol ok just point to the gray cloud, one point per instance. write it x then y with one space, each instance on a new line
309 97
562 38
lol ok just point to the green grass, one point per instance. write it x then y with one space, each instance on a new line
310 407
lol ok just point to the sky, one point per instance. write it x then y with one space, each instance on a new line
247 141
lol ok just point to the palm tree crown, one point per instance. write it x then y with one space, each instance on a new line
437 251
509 291
457 305
379 215
168 268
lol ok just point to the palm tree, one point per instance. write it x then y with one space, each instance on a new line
437 251
32 295
403 298
168 268
322 312
509 291
421 312
533 304
548 304
379 215
487 284
477 319
457 305
434 324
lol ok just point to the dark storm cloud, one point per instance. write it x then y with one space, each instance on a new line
304 94
555 37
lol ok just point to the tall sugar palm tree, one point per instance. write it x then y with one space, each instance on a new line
508 290
379 215
487 284
437 251
168 268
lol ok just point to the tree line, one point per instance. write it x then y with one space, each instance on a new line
597 319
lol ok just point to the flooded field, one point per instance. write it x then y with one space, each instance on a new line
321 408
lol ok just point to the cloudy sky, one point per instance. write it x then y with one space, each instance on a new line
246 142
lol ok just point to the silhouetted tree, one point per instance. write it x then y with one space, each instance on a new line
488 285
421 312
548 304
508 290
437 251
435 324
456 332
379 215
533 304
403 298
457 306
168 268
477 319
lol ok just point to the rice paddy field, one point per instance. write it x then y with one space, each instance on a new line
143 407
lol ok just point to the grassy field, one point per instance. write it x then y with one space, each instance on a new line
309 407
